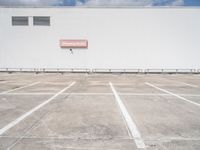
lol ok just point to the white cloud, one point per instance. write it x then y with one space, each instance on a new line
132 2
178 2
31 2
119 2
93 2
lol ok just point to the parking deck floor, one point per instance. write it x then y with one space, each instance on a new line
99 112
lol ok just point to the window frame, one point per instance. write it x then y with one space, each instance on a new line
42 21
15 20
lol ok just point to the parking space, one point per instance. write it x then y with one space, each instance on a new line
99 111
136 89
178 87
192 81
45 87
9 86
88 88
84 117
13 106
162 118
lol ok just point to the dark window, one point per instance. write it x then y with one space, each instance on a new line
41 21
20 21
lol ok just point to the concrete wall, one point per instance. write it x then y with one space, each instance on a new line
118 38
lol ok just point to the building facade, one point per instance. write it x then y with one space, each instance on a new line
118 38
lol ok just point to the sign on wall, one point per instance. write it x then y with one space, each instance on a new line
73 43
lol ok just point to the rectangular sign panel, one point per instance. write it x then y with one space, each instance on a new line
73 43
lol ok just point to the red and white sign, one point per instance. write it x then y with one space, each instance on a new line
73 43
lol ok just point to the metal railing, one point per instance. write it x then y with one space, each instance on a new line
87 70
171 71
46 70
116 70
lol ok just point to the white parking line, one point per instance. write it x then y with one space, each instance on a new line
27 94
180 82
176 95
18 120
29 85
14 74
123 84
191 85
163 94
91 93
21 81
192 95
124 94
6 75
131 94
4 82
60 94
144 94
55 83
131 125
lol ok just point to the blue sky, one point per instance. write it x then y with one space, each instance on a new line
100 2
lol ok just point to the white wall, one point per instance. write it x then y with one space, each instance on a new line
118 38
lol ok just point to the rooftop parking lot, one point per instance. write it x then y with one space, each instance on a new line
99 111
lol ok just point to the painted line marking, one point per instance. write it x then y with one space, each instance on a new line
29 85
192 95
180 82
118 137
175 95
149 94
18 120
60 94
27 93
6 75
131 125
125 94
143 94
84 84
21 81
2 82
122 84
191 85
91 93
92 84
55 83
